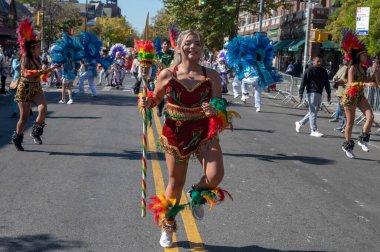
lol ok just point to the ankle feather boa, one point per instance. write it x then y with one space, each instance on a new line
167 208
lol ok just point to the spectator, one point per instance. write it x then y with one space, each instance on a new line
3 71
340 80
314 79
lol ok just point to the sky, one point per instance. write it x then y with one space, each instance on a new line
135 11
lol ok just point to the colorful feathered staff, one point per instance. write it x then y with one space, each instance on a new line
253 56
146 52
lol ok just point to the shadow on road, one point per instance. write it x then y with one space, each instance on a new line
283 157
256 130
75 117
130 155
214 248
40 243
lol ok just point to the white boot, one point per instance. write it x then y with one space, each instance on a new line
166 240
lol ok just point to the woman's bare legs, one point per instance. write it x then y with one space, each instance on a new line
40 101
177 177
367 111
350 117
211 158
24 108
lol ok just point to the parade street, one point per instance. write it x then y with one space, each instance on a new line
81 189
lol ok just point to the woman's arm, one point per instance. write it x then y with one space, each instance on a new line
159 90
351 73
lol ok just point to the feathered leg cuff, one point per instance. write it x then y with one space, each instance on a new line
163 208
214 196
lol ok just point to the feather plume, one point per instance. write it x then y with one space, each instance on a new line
25 33
118 48
146 51
252 56
67 49
91 46
351 42
173 35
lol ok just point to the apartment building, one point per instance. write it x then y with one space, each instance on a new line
287 29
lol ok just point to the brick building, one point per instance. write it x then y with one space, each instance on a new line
287 29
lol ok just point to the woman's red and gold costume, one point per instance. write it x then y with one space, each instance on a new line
186 126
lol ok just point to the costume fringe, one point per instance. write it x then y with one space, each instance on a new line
222 118
164 208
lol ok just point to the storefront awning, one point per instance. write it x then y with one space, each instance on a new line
329 46
296 46
281 44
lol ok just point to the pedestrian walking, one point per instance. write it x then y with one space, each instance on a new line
315 79
340 80
192 93
353 94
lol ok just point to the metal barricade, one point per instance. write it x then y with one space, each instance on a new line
285 88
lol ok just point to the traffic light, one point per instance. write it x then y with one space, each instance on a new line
201 2
319 36
39 18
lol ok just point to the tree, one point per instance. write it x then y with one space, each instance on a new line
114 30
345 17
161 23
215 19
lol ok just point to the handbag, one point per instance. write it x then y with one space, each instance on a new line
14 83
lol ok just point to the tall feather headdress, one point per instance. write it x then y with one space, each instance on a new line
118 47
351 44
67 49
91 46
146 52
26 35
253 56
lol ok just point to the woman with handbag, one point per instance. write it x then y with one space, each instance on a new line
29 87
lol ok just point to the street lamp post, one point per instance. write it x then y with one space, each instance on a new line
261 15
306 50
85 18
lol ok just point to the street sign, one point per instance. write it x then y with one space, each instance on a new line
362 20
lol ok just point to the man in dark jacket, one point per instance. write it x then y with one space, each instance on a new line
315 78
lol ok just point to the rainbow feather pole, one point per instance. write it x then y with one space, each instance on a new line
145 55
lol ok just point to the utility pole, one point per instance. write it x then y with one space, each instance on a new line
261 15
42 25
85 18
306 50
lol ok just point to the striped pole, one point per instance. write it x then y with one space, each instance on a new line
143 160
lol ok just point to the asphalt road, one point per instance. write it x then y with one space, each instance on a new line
80 190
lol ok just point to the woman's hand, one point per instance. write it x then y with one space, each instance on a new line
208 109
144 102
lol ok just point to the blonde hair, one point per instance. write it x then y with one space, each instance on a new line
177 56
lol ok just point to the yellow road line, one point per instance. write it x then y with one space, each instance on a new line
157 175
191 228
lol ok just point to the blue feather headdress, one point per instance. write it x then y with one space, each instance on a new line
253 56
91 47
67 49
118 48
